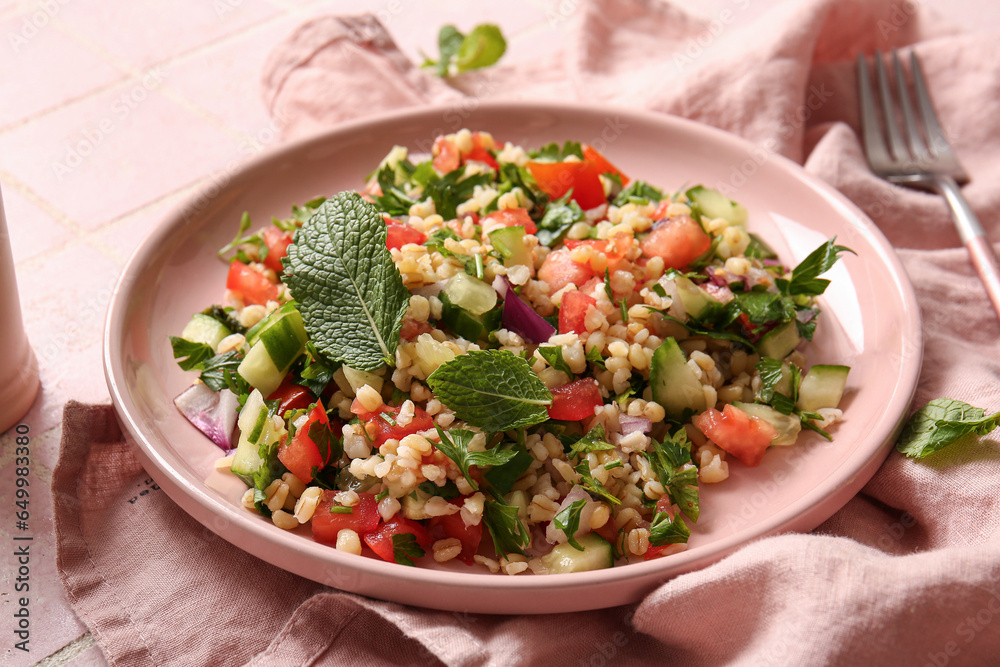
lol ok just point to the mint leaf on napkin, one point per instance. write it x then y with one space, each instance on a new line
495 390
482 47
940 423
349 291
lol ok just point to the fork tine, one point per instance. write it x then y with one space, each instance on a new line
896 144
917 147
871 131
939 145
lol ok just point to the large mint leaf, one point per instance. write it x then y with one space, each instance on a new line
492 389
350 294
940 423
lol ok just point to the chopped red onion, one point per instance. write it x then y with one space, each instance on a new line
521 318
632 424
212 412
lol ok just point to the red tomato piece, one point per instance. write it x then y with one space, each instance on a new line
277 243
302 453
253 287
661 210
291 396
386 429
362 519
380 540
480 154
452 525
446 155
515 217
557 178
614 249
399 234
604 166
573 312
740 434
559 270
679 241
575 401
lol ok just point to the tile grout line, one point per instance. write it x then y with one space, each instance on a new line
67 653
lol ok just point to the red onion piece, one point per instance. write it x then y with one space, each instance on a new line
213 413
522 319
632 424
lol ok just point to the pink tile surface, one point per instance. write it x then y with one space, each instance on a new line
32 230
224 80
51 69
119 239
143 32
63 309
111 153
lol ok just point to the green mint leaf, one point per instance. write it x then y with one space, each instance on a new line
664 530
671 461
594 486
805 280
771 373
568 521
405 548
940 423
508 533
451 189
638 192
495 390
552 354
455 445
482 47
594 441
511 176
447 491
393 201
594 355
555 153
195 353
349 291
225 316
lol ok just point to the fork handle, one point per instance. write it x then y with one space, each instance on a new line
984 259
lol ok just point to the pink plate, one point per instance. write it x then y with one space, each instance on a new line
870 322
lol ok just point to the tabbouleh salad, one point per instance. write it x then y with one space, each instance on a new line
521 359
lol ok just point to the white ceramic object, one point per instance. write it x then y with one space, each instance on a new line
19 371
870 322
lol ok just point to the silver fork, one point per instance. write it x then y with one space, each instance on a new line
923 159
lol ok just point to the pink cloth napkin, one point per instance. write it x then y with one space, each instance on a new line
908 572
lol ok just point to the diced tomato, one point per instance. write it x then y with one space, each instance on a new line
411 328
303 453
399 234
446 155
380 541
253 287
386 429
575 401
740 434
573 312
559 270
614 249
452 525
362 519
277 243
557 178
661 210
604 166
679 241
291 396
515 217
